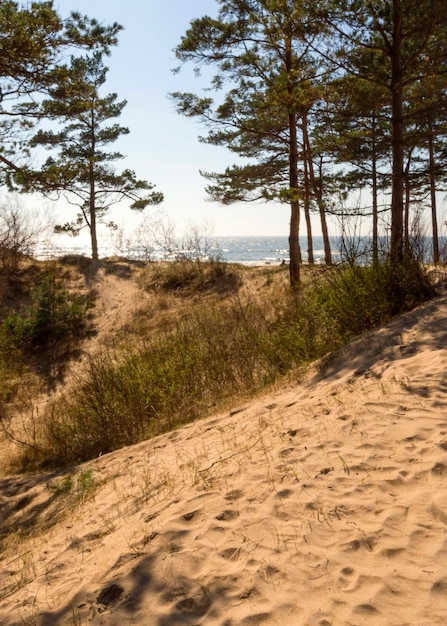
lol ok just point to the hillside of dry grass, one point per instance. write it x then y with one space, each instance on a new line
130 301
319 502
100 355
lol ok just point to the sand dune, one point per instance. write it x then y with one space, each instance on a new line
321 504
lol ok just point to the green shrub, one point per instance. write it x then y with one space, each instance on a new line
219 351
408 285
358 298
354 299
54 315
156 385
85 485
61 487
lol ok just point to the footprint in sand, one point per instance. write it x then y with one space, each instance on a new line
189 603
231 554
347 571
285 452
391 553
236 494
110 595
365 609
256 619
439 469
439 587
346 577
227 516
194 515
285 493
366 543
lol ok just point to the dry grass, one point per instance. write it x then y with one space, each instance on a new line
200 336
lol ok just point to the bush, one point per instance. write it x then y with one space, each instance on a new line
54 315
408 285
357 298
159 384
354 299
219 351
19 238
191 276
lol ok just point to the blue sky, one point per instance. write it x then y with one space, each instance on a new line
162 146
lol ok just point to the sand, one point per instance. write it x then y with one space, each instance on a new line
322 503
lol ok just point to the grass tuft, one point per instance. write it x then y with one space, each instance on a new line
220 349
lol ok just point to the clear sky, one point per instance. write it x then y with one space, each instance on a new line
163 146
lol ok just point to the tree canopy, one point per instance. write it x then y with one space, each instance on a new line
360 85
34 40
81 169
266 70
51 76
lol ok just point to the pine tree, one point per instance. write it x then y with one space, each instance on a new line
406 38
354 132
82 169
258 51
33 40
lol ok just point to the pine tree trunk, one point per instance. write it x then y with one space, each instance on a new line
294 244
92 215
324 228
317 193
397 138
407 190
375 211
434 217
310 245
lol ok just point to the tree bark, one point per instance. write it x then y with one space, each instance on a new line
397 138
434 217
317 193
92 216
375 211
310 245
407 191
294 244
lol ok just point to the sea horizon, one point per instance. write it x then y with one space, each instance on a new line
246 250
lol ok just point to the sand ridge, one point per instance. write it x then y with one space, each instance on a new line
320 504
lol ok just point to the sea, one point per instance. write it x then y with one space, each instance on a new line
266 250
244 250
238 249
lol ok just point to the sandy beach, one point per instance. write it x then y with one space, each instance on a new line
323 503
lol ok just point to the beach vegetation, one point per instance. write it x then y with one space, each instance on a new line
206 352
191 276
20 236
42 321
53 315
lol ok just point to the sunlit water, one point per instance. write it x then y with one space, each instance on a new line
245 250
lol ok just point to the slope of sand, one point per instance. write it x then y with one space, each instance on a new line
324 503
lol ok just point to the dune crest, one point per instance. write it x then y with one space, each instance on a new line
321 504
